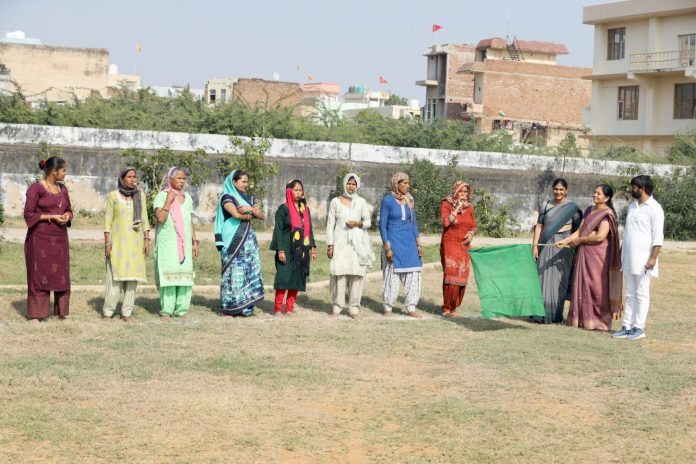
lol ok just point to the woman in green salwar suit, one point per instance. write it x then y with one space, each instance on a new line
175 245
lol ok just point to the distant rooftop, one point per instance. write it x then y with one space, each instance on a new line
322 87
633 10
19 37
524 45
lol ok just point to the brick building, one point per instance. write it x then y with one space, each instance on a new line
254 92
507 85
268 94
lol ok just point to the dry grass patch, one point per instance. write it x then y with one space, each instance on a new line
309 388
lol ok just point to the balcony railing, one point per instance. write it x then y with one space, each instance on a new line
662 61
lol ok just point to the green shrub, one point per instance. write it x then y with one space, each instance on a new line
677 195
431 183
683 150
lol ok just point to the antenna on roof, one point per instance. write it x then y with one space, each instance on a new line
507 23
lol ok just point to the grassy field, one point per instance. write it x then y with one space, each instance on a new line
310 388
87 265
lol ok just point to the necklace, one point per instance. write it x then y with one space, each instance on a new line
48 187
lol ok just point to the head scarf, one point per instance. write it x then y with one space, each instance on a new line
395 180
457 197
346 178
226 229
300 225
357 237
175 213
133 193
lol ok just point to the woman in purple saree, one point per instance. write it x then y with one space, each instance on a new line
597 284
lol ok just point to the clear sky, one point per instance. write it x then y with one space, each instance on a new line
346 42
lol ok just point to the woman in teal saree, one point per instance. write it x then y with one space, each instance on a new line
241 285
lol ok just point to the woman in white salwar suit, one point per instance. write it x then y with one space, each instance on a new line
349 246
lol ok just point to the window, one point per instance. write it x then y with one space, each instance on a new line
223 95
617 44
687 49
212 96
534 134
685 101
628 102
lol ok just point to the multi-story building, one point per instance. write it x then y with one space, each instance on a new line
512 85
446 91
218 91
644 72
59 74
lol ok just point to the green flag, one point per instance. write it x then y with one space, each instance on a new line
507 280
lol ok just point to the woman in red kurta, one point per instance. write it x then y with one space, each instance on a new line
47 213
458 229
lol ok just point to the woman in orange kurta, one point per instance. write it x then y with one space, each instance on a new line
458 229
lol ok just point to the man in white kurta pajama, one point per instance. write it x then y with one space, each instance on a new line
643 238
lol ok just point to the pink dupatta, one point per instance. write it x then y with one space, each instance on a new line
176 215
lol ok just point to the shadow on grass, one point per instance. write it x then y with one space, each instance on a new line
475 324
20 306
213 304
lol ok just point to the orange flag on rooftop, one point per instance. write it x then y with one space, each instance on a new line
310 77
138 48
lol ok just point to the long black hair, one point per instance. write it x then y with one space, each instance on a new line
51 164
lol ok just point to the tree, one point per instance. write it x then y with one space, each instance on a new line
394 99
568 147
153 167
252 160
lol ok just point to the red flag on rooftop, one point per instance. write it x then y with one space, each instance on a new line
436 27
382 80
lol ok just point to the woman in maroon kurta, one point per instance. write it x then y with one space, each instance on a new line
458 229
47 213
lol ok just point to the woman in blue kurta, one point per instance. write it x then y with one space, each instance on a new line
401 249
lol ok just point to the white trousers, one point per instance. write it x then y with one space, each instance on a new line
113 294
637 300
390 290
354 285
